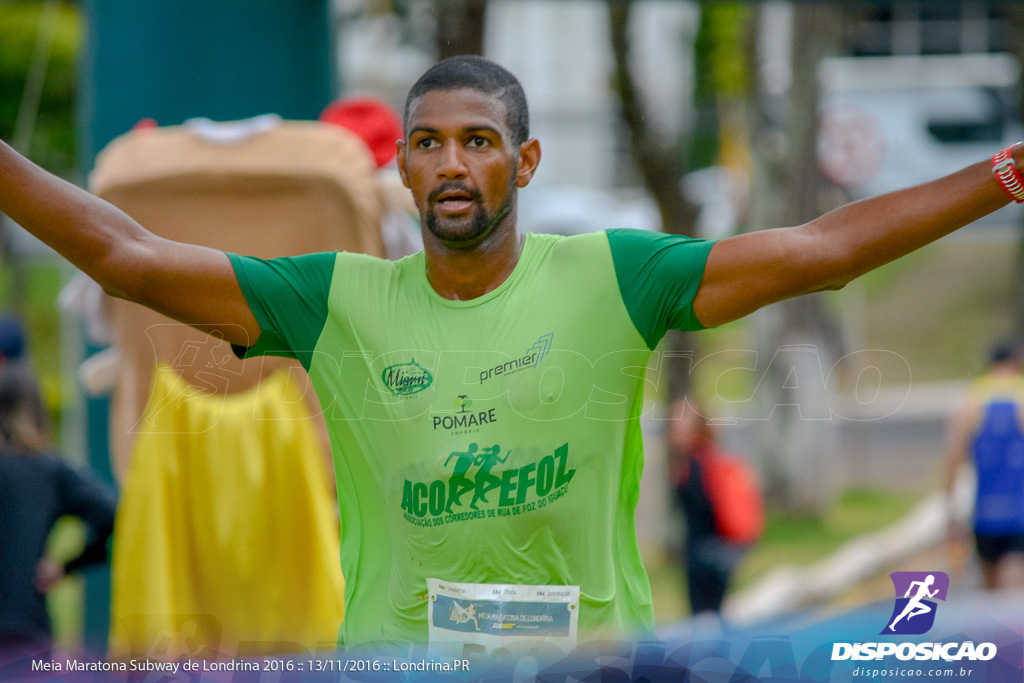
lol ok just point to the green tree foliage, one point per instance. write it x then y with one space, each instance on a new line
53 138
721 52
721 74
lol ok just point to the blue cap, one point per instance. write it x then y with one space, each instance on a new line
12 339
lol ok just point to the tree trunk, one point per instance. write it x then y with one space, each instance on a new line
661 172
797 341
460 27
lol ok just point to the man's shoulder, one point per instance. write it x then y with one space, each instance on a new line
993 388
566 244
369 264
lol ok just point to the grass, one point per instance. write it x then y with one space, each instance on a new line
65 600
790 540
940 308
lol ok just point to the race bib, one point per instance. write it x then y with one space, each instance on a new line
500 615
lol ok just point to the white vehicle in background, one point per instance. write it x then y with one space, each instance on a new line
884 123
890 122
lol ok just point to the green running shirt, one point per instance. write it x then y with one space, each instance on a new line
490 441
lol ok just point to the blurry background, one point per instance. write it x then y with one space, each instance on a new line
705 119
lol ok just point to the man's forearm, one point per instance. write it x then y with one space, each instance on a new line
89 232
897 223
745 272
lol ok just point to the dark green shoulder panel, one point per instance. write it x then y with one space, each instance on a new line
289 297
658 277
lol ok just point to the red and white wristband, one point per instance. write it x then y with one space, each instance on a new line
1005 170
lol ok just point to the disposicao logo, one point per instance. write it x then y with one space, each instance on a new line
912 615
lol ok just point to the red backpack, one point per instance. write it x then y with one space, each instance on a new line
735 494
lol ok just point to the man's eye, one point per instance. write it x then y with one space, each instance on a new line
427 143
478 141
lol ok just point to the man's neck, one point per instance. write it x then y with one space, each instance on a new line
464 274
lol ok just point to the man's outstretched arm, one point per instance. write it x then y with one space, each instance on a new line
192 284
746 272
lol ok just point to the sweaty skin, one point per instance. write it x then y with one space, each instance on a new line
458 144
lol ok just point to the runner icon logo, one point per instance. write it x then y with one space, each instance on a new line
463 615
914 612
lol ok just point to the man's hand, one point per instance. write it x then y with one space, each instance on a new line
49 572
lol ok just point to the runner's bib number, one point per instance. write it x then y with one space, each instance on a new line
500 615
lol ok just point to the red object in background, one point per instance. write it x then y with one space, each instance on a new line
735 494
145 124
373 120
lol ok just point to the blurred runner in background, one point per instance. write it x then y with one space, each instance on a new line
719 498
36 489
988 427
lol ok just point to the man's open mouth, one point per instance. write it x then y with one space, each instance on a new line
454 199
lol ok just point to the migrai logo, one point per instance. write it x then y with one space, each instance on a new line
406 378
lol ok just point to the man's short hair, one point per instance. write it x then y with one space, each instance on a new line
484 76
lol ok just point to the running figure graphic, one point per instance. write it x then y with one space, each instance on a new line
915 606
485 481
459 482
464 615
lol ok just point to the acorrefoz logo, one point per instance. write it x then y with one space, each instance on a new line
914 614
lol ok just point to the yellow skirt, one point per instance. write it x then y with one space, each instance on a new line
226 541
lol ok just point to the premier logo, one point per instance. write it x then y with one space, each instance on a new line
531 359
914 614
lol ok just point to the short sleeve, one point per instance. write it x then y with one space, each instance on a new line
288 296
658 277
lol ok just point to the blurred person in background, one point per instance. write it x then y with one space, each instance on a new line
988 430
379 126
36 489
12 339
720 501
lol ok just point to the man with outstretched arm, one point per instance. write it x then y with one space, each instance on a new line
470 329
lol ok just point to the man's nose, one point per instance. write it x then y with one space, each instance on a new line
453 161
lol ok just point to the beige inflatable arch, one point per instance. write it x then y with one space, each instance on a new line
227 536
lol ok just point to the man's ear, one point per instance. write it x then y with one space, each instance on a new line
400 145
529 159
